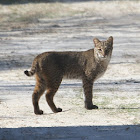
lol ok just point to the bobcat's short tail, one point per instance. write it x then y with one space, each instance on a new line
29 73
33 69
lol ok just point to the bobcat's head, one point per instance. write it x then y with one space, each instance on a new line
103 49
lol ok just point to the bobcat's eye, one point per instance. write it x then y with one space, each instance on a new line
100 49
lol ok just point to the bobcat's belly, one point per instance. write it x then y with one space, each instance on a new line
72 76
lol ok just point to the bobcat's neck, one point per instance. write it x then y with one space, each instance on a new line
101 66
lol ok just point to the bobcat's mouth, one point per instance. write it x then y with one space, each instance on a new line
101 56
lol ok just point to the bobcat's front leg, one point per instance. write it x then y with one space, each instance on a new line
88 86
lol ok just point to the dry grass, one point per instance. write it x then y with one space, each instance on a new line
32 12
22 15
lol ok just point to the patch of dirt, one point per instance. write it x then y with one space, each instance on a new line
117 93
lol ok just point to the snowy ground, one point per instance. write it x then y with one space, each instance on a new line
117 93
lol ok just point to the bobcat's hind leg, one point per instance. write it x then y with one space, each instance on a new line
38 91
49 98
51 90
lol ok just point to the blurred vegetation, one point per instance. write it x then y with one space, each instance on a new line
37 1
24 12
49 1
20 15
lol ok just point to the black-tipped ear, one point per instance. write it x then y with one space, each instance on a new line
110 40
96 40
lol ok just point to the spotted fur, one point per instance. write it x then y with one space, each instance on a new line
51 67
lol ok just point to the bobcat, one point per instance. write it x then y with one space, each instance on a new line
51 67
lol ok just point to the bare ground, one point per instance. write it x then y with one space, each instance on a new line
117 93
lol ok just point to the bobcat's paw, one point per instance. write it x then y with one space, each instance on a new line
39 112
91 107
59 109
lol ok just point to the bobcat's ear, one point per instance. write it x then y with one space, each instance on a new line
96 40
110 40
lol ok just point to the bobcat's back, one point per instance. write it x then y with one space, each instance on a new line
68 64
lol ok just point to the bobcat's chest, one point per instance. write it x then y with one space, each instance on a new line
100 69
99 74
